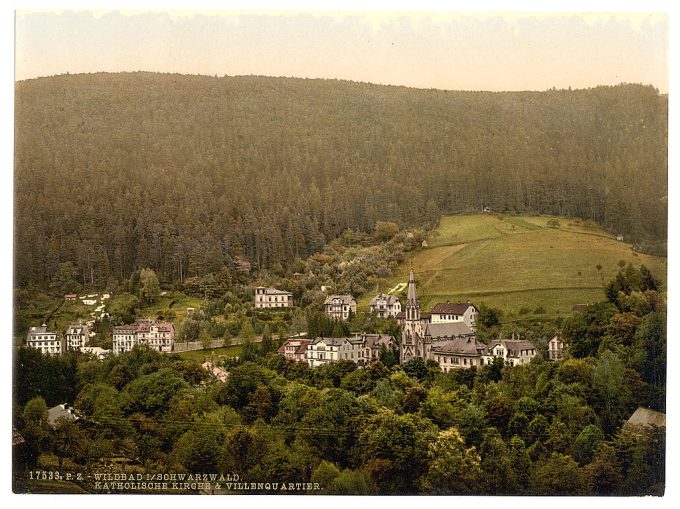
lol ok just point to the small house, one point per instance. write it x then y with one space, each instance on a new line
340 306
385 305
294 349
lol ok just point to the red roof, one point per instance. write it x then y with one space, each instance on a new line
301 348
453 309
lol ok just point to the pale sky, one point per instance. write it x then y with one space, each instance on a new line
464 51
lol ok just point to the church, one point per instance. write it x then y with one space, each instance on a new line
448 336
424 337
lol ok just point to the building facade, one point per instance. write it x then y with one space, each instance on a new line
324 351
272 298
77 337
457 353
294 349
515 352
385 305
365 348
451 313
555 349
412 327
45 341
447 336
159 336
339 307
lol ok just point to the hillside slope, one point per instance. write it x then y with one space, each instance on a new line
519 262
190 174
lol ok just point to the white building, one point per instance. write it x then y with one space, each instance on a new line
77 337
159 336
365 348
555 349
324 351
450 313
47 342
514 352
340 306
385 305
98 352
272 298
462 352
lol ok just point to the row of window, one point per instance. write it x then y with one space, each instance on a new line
456 360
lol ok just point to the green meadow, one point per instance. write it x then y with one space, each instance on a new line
214 354
518 264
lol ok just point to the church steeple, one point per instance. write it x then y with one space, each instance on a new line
412 305
411 328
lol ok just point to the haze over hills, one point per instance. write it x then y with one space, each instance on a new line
187 174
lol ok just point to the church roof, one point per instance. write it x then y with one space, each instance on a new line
459 346
451 309
411 297
448 330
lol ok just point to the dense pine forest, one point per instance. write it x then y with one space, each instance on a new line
189 175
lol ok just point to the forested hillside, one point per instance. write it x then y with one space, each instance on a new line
190 174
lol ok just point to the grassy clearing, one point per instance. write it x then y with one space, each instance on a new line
214 354
453 230
524 264
171 306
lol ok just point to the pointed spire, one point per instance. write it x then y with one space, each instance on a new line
411 297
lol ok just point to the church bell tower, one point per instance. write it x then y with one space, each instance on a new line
411 332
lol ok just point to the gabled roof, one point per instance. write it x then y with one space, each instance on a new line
330 341
274 291
34 331
513 346
376 341
345 299
646 417
389 299
300 344
459 346
451 309
448 330
77 329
